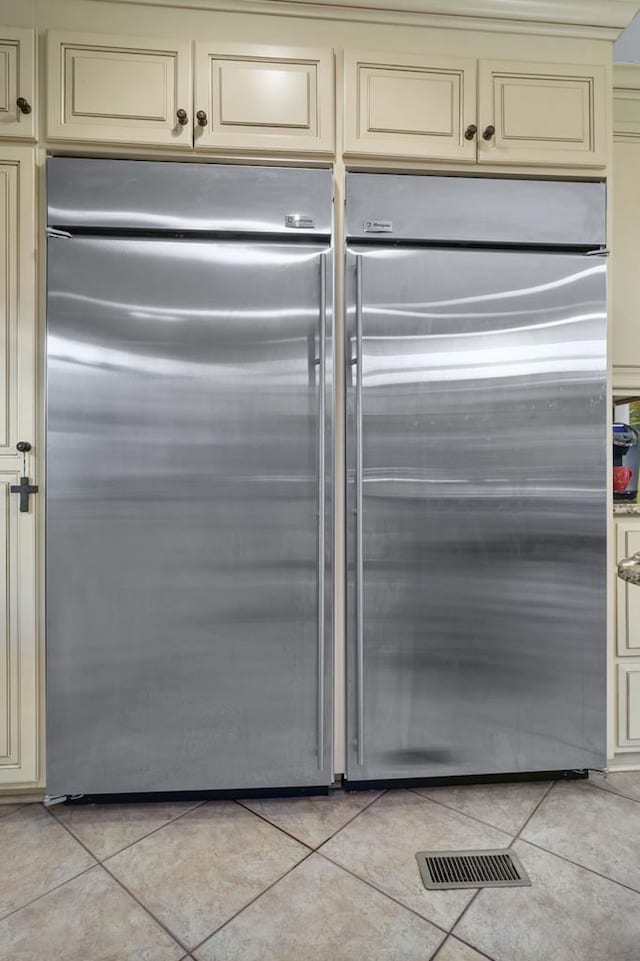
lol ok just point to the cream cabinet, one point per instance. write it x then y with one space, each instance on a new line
131 90
119 89
263 98
486 111
19 651
629 704
625 244
409 106
17 83
541 113
628 640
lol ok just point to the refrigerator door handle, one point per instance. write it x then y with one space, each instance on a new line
322 384
359 538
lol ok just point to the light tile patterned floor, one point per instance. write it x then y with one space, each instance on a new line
324 879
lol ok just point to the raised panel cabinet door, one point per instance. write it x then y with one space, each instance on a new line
20 762
264 98
119 89
17 83
17 300
629 704
628 597
550 114
410 106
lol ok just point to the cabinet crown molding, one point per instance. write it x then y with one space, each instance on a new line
611 16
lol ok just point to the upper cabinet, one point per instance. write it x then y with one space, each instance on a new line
132 90
541 113
487 111
410 106
625 234
17 83
270 98
119 89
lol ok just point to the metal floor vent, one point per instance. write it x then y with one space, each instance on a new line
442 870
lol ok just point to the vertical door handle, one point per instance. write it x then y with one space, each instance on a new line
322 354
359 536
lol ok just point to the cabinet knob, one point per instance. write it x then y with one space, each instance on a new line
183 119
201 117
470 132
23 446
488 132
23 105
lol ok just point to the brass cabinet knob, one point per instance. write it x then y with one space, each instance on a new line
488 132
201 117
183 119
470 132
23 105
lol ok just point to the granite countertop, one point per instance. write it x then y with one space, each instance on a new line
626 507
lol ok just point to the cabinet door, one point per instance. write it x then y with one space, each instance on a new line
628 595
19 652
543 113
409 106
17 82
629 704
119 89
264 98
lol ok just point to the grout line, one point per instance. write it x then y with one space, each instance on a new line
272 825
385 894
132 843
165 928
49 891
577 864
480 890
124 888
306 843
464 814
196 947
615 793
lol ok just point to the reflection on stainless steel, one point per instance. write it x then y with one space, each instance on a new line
221 197
629 569
476 550
189 635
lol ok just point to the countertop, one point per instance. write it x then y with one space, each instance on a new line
628 508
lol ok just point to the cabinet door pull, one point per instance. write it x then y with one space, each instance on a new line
488 132
183 119
470 132
201 117
23 105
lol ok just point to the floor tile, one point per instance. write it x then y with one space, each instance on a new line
37 854
6 809
313 820
327 915
196 872
597 829
567 914
504 806
619 782
381 844
107 828
454 950
88 919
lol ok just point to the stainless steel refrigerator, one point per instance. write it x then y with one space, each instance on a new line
476 468
189 477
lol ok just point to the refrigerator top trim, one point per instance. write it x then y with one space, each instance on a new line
164 196
389 208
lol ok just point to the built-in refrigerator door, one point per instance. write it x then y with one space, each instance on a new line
188 515
476 450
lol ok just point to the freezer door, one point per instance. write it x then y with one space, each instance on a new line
188 515
476 453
